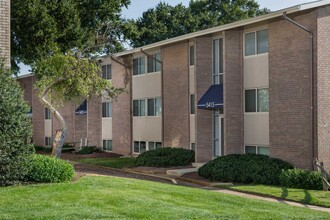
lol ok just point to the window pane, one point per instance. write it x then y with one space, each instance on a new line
262 41
158 106
135 66
250 149
142 109
250 44
192 104
104 145
216 127
151 107
110 109
263 150
104 71
104 110
141 65
158 64
136 147
151 62
221 55
143 146
158 145
192 55
216 150
263 100
192 146
135 107
250 100
151 145
215 56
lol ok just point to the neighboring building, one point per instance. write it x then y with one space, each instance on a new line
5 31
244 87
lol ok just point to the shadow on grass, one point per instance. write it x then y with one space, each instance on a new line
285 193
308 197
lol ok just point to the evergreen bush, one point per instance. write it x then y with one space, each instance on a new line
301 179
15 131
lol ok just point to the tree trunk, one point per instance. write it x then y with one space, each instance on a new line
61 134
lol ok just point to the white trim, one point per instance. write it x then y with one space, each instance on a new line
257 19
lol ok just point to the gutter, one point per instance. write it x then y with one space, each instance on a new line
312 106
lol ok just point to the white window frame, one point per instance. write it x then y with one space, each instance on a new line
154 106
48 141
108 110
255 43
256 100
108 73
139 107
217 74
257 147
106 142
139 63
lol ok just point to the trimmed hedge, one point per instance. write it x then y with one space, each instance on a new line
47 169
88 150
166 157
245 168
301 179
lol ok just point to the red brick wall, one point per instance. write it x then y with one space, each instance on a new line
176 95
289 91
80 129
203 65
5 31
323 84
122 109
233 93
67 112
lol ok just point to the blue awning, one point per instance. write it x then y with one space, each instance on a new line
212 99
82 109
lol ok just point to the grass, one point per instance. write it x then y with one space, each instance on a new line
118 163
313 197
120 198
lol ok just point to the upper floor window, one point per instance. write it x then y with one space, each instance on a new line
192 104
154 64
48 114
256 42
154 107
106 109
139 107
218 61
256 100
138 66
106 71
192 55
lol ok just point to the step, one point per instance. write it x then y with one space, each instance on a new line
197 165
180 172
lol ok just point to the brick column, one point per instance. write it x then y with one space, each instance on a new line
5 31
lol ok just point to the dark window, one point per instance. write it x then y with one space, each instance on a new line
48 114
192 104
250 100
106 71
153 63
192 55
139 66
139 107
106 109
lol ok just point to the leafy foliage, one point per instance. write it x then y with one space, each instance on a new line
88 150
166 21
301 179
245 168
50 170
166 157
39 28
15 131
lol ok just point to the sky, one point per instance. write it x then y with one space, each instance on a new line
137 7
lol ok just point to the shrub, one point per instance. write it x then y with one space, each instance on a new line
166 157
47 169
15 131
245 168
302 179
87 150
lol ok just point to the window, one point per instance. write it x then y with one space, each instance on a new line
139 146
48 114
256 42
48 141
192 55
264 150
106 71
218 61
154 107
256 100
192 104
192 146
107 145
154 145
106 109
138 66
139 107
153 63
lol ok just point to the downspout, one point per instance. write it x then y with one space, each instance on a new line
312 80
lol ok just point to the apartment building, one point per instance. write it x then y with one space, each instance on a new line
5 31
259 86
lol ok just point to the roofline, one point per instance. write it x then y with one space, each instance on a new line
236 24
25 76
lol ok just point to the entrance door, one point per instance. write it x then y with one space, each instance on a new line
218 128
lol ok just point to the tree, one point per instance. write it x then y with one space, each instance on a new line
15 131
40 27
166 21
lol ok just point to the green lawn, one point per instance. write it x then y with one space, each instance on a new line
118 163
314 197
119 198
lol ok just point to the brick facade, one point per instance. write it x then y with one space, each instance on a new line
5 31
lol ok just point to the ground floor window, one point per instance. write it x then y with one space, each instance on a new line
142 146
107 145
48 141
192 146
218 134
257 150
